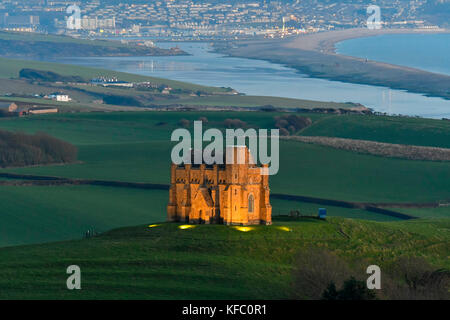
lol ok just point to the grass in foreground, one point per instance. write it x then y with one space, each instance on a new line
208 261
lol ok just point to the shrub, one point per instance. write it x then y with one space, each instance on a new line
185 123
284 132
4 114
292 123
41 75
315 269
413 278
20 149
234 123
122 100
352 290
268 108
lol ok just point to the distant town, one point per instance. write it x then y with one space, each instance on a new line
197 20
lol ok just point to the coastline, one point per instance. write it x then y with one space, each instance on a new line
315 55
325 42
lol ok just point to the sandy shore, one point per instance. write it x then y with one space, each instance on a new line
314 55
325 41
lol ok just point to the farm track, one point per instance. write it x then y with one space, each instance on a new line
35 180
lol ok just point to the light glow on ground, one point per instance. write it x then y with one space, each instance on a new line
244 229
186 226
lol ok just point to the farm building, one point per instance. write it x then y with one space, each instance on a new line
42 110
21 109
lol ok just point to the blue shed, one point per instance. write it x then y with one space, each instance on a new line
322 213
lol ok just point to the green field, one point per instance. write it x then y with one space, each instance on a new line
400 130
284 207
426 213
135 147
10 68
52 213
209 261
139 151
258 101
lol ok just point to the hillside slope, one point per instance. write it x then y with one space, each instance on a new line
140 152
26 44
210 261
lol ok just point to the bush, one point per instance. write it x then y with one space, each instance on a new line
292 123
352 290
19 149
412 278
5 114
268 108
122 100
234 123
319 274
284 132
185 123
40 75
315 269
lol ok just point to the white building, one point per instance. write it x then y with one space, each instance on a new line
63 98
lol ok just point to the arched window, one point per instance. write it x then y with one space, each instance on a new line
251 203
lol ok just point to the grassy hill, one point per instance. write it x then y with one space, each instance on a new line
140 152
10 68
26 44
211 261
401 130
134 147
50 214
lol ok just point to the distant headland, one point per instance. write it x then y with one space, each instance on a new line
315 55
36 45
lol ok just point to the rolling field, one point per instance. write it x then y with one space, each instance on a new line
55 213
135 147
399 130
259 101
426 213
10 68
140 149
284 207
209 261
52 213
